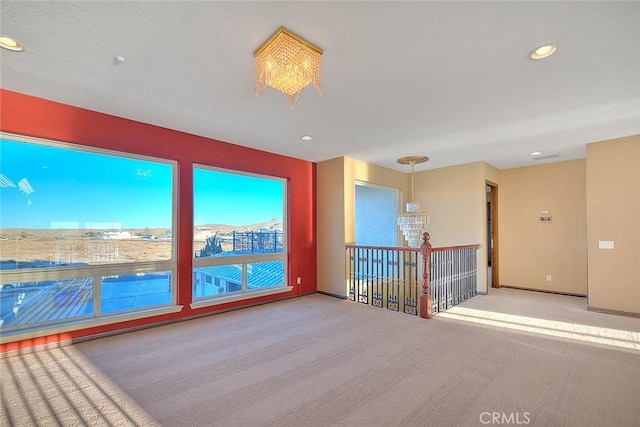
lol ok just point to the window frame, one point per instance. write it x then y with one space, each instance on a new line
244 259
97 271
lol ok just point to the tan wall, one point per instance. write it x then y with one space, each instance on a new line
357 170
336 213
605 188
613 213
490 173
531 250
456 199
331 226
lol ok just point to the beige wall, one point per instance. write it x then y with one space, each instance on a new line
613 214
357 170
456 199
453 198
331 226
336 213
600 194
531 250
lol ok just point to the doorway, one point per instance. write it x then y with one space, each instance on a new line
493 277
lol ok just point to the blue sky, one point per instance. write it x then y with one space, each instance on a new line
226 198
53 187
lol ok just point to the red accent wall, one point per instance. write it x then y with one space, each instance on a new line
30 116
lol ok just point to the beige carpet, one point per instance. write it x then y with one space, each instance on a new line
518 357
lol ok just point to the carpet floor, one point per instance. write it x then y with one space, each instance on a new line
512 357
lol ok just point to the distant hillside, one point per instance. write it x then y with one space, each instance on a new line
66 234
274 224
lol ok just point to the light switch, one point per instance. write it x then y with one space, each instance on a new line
605 244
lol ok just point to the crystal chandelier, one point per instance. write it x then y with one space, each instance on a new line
413 222
289 63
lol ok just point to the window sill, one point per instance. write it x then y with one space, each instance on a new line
240 297
86 324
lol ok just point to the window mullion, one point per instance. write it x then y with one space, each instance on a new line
244 277
97 295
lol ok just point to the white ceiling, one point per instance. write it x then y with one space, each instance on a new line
450 80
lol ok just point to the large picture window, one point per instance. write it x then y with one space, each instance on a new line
83 233
239 237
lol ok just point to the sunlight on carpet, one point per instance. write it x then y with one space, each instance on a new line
575 331
61 387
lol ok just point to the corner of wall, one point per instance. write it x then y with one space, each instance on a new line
613 215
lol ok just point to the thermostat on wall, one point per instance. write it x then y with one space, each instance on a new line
545 216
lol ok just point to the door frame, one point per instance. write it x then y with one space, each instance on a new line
495 271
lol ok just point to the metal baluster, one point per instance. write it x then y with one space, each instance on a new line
383 266
472 275
382 288
436 275
352 267
396 269
450 281
469 277
357 273
362 274
466 288
411 301
380 276
378 295
369 287
375 291
390 294
456 291
364 283
443 278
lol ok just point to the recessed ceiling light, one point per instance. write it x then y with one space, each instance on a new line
535 153
543 51
501 146
10 44
306 137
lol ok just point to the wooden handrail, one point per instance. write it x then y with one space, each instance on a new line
389 248
448 248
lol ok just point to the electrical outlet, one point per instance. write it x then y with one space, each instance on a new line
548 277
299 280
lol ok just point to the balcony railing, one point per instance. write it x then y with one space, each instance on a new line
415 281
454 276
384 277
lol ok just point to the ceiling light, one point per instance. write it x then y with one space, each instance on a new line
535 153
288 63
306 137
543 51
10 44
413 222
